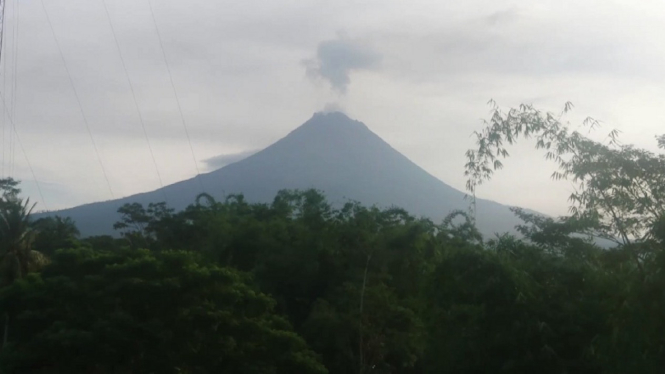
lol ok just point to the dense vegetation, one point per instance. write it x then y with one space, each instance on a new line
298 286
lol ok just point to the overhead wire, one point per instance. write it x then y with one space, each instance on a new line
14 81
5 110
8 44
175 93
8 83
4 75
9 112
78 100
131 88
9 64
25 154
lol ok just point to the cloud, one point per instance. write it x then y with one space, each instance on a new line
512 43
217 162
337 58
241 84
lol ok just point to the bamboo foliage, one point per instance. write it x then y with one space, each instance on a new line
619 189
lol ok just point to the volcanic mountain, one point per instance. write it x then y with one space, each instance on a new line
329 152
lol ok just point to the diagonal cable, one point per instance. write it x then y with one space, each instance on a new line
131 88
4 77
175 93
17 20
78 100
25 154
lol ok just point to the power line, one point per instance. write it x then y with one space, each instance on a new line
175 93
11 46
4 76
8 48
131 88
2 24
78 100
5 110
17 19
25 154
7 65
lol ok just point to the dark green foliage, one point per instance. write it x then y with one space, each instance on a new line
17 257
134 311
105 243
368 290
16 238
619 196
142 227
512 309
54 233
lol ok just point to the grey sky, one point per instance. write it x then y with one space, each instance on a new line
417 73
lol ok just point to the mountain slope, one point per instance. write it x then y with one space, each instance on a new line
329 152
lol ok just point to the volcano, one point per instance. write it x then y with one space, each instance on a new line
330 152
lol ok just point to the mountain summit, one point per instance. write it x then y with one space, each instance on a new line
329 152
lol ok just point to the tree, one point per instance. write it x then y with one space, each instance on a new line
54 233
513 307
8 189
141 226
620 189
16 239
144 312
619 196
17 258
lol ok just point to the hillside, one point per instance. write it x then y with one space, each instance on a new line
329 152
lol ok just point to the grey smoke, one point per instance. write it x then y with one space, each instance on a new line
217 162
336 59
332 107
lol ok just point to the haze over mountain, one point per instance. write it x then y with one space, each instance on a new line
329 152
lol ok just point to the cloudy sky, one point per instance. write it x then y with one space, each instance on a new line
418 73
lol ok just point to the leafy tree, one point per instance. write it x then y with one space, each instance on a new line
16 239
620 189
142 312
17 257
391 333
513 308
54 233
8 189
141 226
620 196
361 304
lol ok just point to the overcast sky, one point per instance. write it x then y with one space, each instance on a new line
417 73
